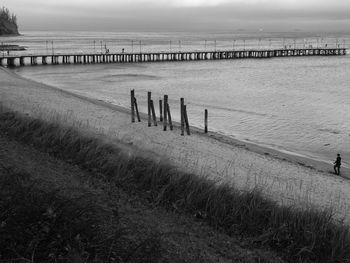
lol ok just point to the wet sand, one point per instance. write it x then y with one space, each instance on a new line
284 177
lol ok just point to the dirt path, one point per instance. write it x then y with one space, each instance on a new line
184 238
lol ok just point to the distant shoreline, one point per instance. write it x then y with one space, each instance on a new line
5 47
11 35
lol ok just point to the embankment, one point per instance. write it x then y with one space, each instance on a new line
299 235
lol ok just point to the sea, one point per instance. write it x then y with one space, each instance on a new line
296 105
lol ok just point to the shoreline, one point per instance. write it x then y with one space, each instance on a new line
295 158
282 177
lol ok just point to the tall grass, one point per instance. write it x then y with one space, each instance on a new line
38 225
299 235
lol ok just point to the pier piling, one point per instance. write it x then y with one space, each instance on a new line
182 103
137 110
132 95
186 120
149 108
169 117
205 121
160 111
153 114
165 120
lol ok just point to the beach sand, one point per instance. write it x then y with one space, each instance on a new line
285 178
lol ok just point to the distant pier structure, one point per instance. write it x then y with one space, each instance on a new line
56 59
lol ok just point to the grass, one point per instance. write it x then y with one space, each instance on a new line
298 235
51 227
37 225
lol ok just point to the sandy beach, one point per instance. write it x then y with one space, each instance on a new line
286 178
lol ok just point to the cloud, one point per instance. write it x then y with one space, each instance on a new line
179 14
197 3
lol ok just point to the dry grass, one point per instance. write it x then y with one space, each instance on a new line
300 235
38 225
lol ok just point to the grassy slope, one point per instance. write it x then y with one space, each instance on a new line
300 236
138 230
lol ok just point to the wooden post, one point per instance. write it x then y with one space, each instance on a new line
169 117
160 110
182 103
153 114
132 105
186 121
165 112
205 121
137 110
149 108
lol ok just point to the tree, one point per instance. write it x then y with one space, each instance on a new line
8 22
5 15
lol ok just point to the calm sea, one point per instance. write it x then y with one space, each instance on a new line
297 105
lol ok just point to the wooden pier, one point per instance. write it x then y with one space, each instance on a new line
56 59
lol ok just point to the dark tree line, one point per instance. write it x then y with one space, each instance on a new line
5 15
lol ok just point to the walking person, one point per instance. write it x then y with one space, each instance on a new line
337 164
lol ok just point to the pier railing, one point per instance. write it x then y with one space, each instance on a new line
96 58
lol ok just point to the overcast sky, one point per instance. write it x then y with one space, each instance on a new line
181 15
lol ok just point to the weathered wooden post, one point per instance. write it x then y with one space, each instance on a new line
21 61
160 110
169 117
182 103
153 114
132 94
137 110
205 121
149 108
165 112
186 121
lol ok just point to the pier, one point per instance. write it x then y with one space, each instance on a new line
60 59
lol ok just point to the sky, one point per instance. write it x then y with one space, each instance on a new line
181 15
